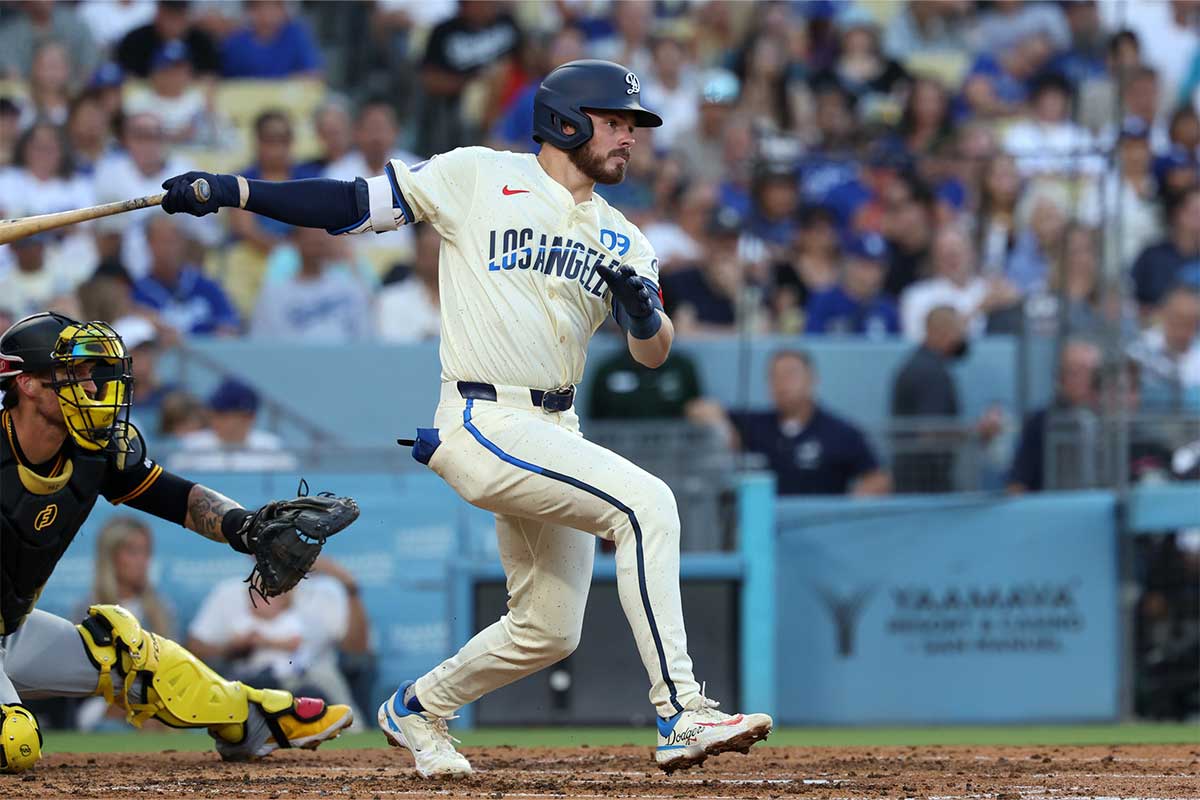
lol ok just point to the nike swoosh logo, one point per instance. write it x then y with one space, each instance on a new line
731 721
507 192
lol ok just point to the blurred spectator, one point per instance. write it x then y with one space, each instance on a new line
621 388
699 149
1085 57
705 299
922 27
174 96
1168 33
273 139
810 450
136 170
908 226
179 291
49 85
376 132
771 99
925 122
876 82
10 129
88 133
1140 100
106 296
1099 93
996 218
1128 211
1075 400
953 283
290 642
1170 354
35 286
1074 279
410 310
335 131
856 305
232 443
108 84
997 83
626 38
1005 23
319 303
1048 142
180 415
144 345
925 406
1174 260
1042 218
172 22
124 549
672 89
1178 169
272 45
480 37
677 237
514 130
110 20
38 21
776 199
812 269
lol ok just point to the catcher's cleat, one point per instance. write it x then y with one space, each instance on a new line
694 734
305 722
426 737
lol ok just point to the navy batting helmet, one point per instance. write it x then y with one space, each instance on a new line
579 85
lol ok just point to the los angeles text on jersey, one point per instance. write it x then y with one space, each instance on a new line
560 256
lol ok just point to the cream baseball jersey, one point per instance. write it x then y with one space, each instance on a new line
520 297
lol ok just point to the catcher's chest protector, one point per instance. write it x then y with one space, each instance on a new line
38 519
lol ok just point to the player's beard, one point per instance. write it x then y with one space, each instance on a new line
592 164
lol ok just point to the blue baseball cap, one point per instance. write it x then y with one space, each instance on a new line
868 246
107 75
171 53
233 395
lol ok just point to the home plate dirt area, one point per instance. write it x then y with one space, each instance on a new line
1005 773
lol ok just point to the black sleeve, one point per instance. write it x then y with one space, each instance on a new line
336 206
1027 462
166 497
136 49
435 48
860 456
206 59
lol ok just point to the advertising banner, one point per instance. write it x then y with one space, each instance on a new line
947 610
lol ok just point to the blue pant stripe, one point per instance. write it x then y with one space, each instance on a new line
592 490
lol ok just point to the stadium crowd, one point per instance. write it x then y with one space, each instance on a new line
933 170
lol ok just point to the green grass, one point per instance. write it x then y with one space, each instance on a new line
153 741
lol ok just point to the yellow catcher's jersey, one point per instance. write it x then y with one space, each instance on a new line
519 294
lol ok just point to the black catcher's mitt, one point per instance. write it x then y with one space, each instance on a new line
285 537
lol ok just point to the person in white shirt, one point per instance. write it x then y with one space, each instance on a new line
175 97
291 642
409 311
324 301
1170 354
954 283
36 284
139 169
671 86
231 443
376 130
1049 143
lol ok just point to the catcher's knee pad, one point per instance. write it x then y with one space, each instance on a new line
20 739
157 677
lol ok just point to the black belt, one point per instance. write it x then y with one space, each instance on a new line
556 400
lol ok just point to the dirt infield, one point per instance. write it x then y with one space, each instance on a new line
948 773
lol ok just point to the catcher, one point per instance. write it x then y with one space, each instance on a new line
67 439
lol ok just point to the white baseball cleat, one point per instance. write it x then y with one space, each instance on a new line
694 734
425 736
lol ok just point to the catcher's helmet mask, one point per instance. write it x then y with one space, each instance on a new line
567 93
55 348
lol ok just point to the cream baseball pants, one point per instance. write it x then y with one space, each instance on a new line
552 491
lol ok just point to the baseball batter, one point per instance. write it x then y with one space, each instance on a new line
65 440
531 263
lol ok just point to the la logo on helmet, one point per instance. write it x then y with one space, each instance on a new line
634 85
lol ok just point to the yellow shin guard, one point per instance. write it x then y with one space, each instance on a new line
176 688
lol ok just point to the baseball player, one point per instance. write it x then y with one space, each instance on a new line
531 263
66 440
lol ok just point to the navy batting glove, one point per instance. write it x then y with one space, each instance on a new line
629 290
181 196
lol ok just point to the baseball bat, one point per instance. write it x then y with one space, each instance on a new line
13 229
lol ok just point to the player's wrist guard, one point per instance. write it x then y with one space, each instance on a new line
231 528
641 327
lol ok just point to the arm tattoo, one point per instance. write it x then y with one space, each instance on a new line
206 509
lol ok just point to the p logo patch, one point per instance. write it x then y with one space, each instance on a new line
45 518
